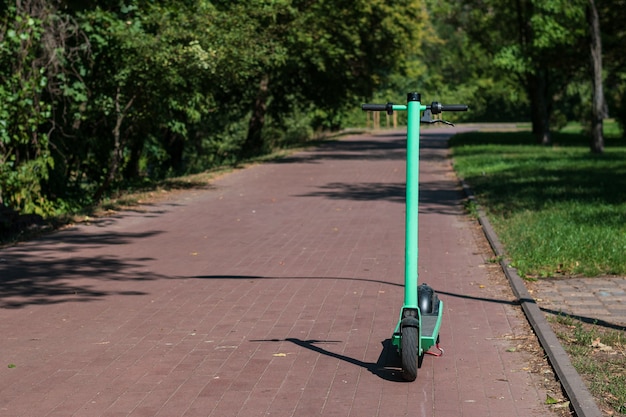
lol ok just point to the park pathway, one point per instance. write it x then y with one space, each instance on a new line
272 292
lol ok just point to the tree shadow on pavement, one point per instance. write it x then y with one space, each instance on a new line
394 192
434 197
354 149
443 197
42 272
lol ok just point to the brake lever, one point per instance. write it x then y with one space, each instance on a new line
428 119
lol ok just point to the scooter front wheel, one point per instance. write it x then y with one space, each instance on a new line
409 352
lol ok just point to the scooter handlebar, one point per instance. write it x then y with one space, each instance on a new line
436 107
454 107
374 107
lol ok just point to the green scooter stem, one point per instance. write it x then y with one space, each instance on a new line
412 201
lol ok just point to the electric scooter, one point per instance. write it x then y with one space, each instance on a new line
420 317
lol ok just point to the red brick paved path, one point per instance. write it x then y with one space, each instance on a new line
273 293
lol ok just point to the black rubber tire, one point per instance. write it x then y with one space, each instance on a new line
409 353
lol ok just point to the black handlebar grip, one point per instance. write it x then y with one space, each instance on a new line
374 107
379 107
454 107
437 108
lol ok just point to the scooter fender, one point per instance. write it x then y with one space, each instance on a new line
410 322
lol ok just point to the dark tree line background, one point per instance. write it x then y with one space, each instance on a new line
101 94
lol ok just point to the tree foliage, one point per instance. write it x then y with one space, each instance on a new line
24 141
530 59
98 94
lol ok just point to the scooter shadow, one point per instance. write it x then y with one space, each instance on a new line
387 367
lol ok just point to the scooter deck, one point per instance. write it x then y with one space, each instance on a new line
429 331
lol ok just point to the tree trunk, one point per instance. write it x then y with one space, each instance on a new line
598 106
131 170
118 147
540 110
254 141
175 145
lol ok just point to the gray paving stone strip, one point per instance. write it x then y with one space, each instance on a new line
582 401
273 291
599 300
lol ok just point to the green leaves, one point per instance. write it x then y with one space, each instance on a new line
138 90
24 149
511 58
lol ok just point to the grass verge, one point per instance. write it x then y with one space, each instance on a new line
559 211
599 356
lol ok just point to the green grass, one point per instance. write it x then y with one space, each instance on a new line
559 210
599 355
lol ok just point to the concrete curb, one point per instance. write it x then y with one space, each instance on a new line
581 399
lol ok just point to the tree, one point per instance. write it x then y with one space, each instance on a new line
27 61
612 15
149 83
99 94
326 53
535 42
452 66
598 106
